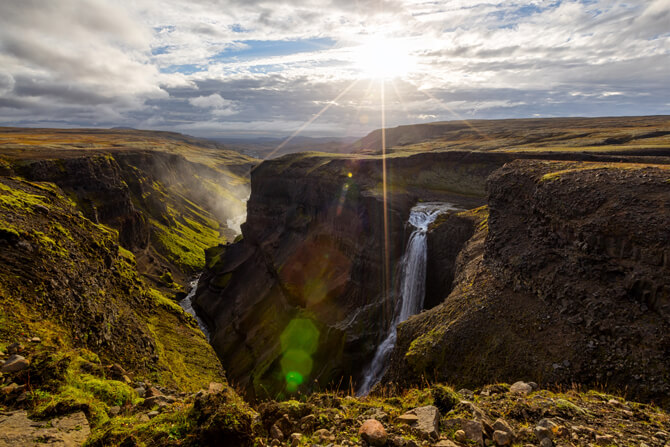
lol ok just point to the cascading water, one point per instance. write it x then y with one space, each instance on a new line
187 305
412 289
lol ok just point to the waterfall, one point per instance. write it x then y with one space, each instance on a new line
187 305
412 289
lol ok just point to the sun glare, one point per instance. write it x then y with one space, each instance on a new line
383 58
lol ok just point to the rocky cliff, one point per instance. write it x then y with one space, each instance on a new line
566 281
86 342
313 244
169 200
313 251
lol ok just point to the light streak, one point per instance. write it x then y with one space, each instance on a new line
311 120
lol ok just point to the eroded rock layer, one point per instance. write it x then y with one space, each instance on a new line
567 281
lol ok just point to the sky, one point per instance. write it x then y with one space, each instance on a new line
229 68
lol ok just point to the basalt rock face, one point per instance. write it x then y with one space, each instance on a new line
593 243
601 232
98 184
166 208
567 281
443 250
313 248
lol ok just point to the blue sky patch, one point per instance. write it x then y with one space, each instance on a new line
184 69
160 50
255 49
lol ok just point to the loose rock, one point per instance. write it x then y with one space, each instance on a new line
295 439
373 432
14 363
501 438
427 420
474 431
520 388
276 433
502 425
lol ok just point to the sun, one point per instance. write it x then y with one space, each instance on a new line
383 58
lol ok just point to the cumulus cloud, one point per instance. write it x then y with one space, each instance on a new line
220 106
216 67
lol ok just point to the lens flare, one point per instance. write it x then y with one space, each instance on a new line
299 341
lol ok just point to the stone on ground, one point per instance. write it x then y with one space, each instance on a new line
14 363
373 432
425 420
520 388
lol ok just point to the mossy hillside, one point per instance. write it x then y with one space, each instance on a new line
139 190
73 387
180 228
66 280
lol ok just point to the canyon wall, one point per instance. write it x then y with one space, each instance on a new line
313 249
568 280
166 208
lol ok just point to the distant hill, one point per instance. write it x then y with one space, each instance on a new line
265 147
651 133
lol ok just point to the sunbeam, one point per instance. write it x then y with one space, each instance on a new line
311 120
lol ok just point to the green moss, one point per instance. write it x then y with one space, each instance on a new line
79 390
420 355
185 359
167 279
48 243
162 301
19 199
62 231
8 232
445 397
169 427
184 243
127 255
213 255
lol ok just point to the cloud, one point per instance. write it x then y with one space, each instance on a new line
213 101
208 66
220 107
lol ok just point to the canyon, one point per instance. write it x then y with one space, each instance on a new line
553 267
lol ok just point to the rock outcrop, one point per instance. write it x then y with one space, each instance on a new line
314 249
566 281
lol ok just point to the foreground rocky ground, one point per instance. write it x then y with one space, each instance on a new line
101 405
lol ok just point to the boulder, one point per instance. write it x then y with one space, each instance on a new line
502 425
501 438
425 420
522 388
373 432
14 363
474 432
